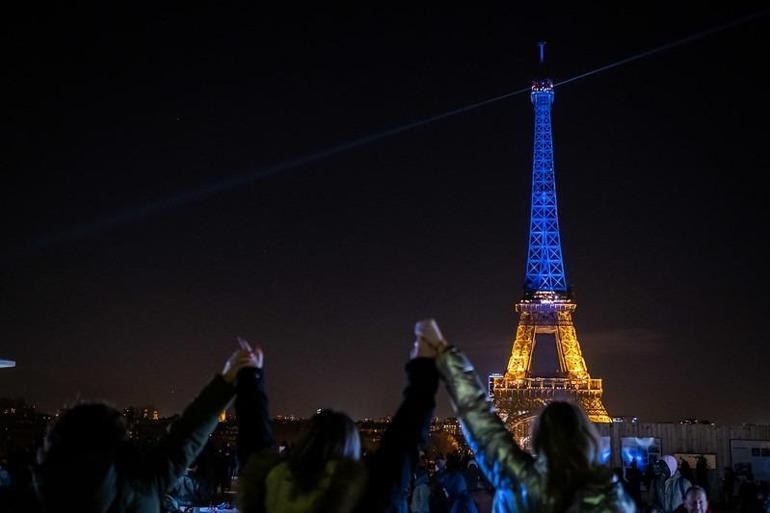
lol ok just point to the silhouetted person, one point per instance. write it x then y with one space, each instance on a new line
420 492
473 475
728 486
686 470
648 477
87 465
456 487
747 496
565 473
439 501
634 483
702 472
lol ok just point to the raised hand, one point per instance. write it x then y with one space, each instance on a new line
429 339
259 355
237 361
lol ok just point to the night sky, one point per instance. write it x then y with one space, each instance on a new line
660 166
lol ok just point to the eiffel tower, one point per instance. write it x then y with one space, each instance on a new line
547 305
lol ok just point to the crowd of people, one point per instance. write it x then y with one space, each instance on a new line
87 463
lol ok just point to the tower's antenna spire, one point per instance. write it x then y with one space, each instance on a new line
541 49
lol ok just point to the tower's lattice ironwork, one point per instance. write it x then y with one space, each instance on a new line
545 266
547 306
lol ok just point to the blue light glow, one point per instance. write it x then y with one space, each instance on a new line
545 266
606 450
642 450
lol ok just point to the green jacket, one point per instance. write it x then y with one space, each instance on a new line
268 486
517 477
137 483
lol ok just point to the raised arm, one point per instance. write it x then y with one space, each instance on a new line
507 467
190 432
255 429
392 466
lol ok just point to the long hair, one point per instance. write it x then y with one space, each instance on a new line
329 435
570 446
75 464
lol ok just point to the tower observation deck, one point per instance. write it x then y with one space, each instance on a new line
547 305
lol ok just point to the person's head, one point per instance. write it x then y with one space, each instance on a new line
78 454
695 500
671 464
329 435
660 469
563 435
570 446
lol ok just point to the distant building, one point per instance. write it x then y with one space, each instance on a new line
133 413
22 426
145 424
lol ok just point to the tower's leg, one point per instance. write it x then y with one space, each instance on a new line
594 408
569 347
518 395
523 347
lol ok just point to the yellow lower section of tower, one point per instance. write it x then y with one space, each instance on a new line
518 394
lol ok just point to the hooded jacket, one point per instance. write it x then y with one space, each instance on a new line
519 479
668 492
266 484
128 482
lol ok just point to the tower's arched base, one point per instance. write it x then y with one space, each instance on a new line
519 400
517 394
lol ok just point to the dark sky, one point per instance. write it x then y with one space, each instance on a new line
660 171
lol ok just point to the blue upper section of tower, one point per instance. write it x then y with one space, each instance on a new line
545 265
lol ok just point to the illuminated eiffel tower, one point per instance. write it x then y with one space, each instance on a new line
547 305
